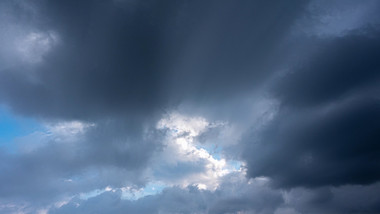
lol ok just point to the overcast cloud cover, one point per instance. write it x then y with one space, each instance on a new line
240 107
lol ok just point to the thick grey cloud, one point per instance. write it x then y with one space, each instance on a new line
344 199
298 78
319 147
120 65
136 58
340 67
326 131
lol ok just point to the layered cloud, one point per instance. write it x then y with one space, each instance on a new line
191 106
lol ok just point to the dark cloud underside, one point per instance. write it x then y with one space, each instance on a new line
287 89
327 129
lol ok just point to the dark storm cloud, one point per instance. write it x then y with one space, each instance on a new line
139 57
341 66
327 129
345 199
326 147
121 65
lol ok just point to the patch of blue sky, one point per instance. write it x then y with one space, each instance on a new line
13 126
236 165
153 188
214 150
150 189
128 194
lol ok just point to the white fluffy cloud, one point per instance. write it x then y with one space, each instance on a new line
181 150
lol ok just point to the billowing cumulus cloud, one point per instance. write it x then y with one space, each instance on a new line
190 106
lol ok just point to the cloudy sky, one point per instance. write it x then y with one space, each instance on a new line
189 106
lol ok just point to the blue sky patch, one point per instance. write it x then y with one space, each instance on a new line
12 126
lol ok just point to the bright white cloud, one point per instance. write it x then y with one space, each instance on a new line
181 149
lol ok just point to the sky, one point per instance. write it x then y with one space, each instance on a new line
190 107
